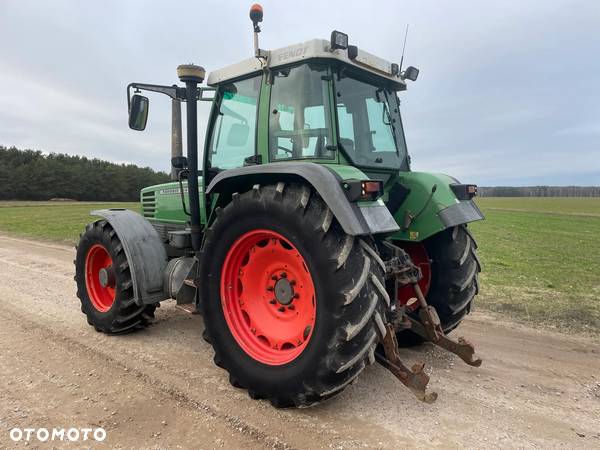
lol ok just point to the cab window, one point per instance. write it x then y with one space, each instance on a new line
299 118
234 129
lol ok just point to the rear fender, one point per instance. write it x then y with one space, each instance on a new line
355 218
442 211
145 253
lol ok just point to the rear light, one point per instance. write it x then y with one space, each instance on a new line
363 190
464 191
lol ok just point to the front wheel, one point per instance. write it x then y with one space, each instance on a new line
104 284
290 302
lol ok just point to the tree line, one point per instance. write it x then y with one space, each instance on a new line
32 175
539 191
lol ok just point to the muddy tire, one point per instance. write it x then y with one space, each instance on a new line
104 284
454 282
333 281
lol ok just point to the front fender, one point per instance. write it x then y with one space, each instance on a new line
443 211
146 254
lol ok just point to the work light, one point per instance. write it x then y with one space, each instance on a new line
339 40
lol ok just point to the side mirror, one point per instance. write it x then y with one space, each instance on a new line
138 112
179 162
411 73
238 135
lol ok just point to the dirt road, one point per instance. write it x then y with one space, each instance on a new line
160 389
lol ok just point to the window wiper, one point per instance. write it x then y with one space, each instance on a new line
386 107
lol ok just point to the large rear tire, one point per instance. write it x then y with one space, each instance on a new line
452 280
104 284
278 246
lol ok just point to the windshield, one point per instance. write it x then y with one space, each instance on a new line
370 129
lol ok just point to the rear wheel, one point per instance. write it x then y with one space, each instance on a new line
291 302
104 284
450 267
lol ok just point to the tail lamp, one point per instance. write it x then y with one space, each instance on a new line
363 190
464 191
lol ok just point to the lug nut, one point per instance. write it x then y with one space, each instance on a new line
281 309
283 275
274 277
293 282
291 307
296 295
270 288
272 301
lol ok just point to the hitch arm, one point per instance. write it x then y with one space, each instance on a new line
414 378
430 328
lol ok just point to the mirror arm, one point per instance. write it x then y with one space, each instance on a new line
175 92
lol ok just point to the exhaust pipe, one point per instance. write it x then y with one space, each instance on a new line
176 140
192 75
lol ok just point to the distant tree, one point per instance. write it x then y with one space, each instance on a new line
539 191
31 175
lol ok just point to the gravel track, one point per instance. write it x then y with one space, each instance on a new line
160 389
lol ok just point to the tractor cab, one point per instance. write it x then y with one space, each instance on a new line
317 101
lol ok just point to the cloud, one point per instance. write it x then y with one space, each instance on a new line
508 90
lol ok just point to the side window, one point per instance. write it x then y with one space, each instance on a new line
346 128
234 130
299 125
381 132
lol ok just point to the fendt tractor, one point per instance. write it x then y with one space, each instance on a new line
302 236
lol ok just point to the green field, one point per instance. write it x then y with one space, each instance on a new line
540 256
56 221
541 260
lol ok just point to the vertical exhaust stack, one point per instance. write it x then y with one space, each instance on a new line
176 139
192 75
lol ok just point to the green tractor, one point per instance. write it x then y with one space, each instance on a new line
302 236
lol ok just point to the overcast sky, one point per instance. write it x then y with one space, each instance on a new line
509 91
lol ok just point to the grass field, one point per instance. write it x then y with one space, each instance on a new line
541 259
540 256
56 221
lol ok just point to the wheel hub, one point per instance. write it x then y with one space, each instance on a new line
284 292
106 276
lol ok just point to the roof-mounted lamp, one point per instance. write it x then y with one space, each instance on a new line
339 40
256 16
411 73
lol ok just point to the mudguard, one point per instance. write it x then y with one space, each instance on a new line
356 219
434 211
145 253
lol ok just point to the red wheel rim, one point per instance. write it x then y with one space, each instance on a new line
101 294
419 256
268 297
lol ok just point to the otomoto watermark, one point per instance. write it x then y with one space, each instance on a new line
57 434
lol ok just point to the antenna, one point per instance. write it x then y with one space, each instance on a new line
403 48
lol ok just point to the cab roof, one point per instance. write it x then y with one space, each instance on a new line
313 49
